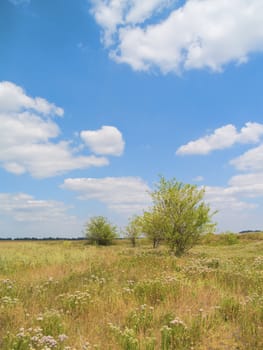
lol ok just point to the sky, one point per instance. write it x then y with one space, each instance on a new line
98 98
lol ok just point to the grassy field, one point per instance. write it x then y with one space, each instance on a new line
68 295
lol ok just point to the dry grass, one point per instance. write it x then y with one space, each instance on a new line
123 298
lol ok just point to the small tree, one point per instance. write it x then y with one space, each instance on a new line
153 226
133 230
182 212
100 231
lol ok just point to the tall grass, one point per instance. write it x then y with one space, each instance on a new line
68 295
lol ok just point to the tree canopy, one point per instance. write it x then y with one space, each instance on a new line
178 215
100 231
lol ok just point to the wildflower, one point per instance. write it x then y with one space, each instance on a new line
177 321
62 337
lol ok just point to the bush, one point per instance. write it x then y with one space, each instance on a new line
100 231
228 238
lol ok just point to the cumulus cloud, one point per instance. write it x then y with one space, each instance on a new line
198 34
127 195
27 137
24 215
107 140
239 189
222 138
45 160
111 14
244 192
14 99
250 185
226 199
238 204
234 212
252 160
240 195
23 207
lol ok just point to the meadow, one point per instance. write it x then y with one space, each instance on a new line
69 295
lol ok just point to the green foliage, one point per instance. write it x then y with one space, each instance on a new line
153 226
75 303
230 308
175 335
35 339
100 231
126 338
133 230
141 319
228 238
46 333
180 211
209 238
150 291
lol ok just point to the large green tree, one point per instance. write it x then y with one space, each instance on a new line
100 231
181 214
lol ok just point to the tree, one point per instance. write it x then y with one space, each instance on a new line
153 226
133 230
100 231
182 212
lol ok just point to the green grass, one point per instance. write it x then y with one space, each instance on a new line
68 295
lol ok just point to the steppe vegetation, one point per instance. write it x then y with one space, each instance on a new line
70 295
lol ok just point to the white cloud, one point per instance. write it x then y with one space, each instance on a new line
23 215
226 199
26 137
239 202
45 160
236 211
250 133
111 14
107 140
122 194
14 99
251 160
249 185
233 197
23 207
198 34
222 138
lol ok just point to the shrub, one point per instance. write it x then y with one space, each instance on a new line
100 231
228 238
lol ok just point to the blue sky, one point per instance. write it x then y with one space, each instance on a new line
98 98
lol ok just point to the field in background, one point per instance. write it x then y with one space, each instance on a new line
68 295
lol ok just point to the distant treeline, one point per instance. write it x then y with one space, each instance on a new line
42 239
84 238
48 239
